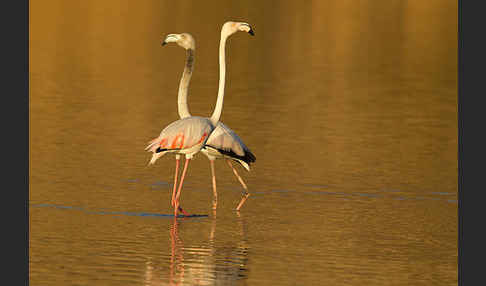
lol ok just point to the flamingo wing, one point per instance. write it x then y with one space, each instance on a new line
226 142
182 134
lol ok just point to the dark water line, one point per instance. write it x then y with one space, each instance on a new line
103 212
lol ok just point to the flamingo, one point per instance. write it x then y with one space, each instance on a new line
223 143
188 135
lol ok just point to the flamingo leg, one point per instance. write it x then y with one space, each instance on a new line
175 181
215 193
176 202
245 193
175 186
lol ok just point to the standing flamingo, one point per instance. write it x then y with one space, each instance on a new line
189 134
223 143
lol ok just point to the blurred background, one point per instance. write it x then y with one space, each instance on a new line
349 106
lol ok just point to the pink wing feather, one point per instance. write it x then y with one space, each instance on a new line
180 135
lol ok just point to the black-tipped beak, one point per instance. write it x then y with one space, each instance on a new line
164 43
251 32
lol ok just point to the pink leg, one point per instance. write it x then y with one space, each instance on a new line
175 182
245 193
215 193
176 203
175 186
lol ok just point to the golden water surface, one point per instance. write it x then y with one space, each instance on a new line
349 106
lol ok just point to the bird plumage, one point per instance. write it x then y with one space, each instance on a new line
225 143
184 136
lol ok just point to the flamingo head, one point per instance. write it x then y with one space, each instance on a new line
231 27
184 40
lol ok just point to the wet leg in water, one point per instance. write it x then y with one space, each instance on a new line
176 202
175 185
245 193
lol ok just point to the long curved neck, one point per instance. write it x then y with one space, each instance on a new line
222 73
184 85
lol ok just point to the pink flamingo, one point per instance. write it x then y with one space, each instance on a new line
223 143
188 135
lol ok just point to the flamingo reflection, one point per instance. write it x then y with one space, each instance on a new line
209 262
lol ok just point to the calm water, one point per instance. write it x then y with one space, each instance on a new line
349 107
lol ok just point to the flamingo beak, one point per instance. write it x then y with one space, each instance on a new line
251 32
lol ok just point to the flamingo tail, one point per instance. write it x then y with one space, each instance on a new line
153 145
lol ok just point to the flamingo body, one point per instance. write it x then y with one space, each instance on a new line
184 136
225 143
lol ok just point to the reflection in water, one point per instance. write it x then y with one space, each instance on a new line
208 263
176 256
